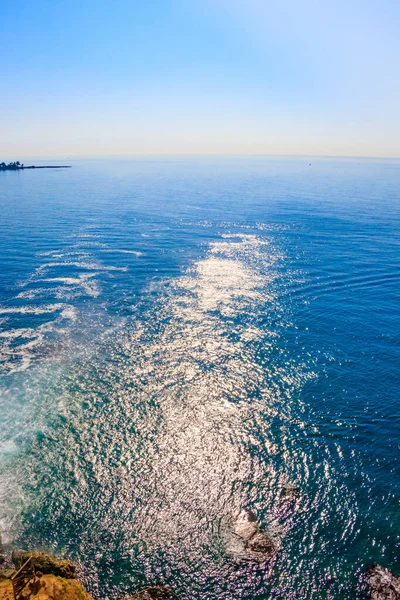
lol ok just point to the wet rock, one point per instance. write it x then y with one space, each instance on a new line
45 563
289 494
261 542
284 510
246 525
251 542
382 584
286 503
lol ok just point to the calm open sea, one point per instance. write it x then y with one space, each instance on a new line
181 338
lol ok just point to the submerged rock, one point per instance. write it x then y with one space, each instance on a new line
289 494
250 542
45 563
285 507
382 584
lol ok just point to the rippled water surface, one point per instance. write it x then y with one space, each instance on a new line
184 338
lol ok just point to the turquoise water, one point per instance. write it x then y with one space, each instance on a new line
181 338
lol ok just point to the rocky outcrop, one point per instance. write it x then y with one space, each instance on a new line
250 541
46 564
246 540
382 584
54 578
47 587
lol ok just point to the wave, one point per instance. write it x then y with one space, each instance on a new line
30 310
91 266
56 278
116 251
16 354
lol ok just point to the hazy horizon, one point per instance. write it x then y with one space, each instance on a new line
146 156
211 77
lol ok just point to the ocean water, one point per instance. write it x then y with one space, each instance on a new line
182 338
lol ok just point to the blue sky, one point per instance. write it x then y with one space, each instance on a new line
200 76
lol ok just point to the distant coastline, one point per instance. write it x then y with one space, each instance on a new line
17 166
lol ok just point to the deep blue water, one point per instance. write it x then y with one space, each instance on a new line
181 338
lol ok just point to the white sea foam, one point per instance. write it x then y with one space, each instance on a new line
65 253
8 447
91 266
19 357
69 312
70 280
31 310
30 294
85 244
13 334
84 282
134 252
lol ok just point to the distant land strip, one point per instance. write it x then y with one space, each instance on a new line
48 167
17 166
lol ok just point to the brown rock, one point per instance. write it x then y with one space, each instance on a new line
45 563
382 584
7 573
246 525
252 542
261 542
49 588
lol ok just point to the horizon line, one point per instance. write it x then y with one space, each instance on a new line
201 154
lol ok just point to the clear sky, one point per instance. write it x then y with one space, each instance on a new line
86 77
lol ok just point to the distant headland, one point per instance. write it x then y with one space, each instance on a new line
17 166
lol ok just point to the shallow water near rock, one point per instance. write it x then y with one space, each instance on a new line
181 339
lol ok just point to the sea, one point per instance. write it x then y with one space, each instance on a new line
182 338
